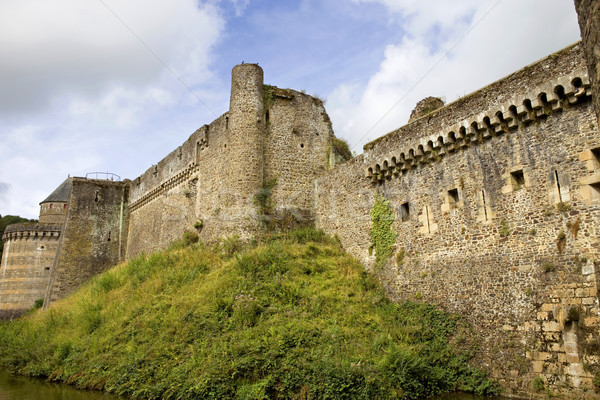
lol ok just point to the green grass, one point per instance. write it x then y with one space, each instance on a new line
292 316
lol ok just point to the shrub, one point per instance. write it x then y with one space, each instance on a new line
38 304
231 245
190 238
382 235
341 147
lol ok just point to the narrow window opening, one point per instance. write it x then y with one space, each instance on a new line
427 218
267 116
108 240
517 179
51 206
595 189
485 214
302 145
558 186
404 212
47 268
453 198
96 198
596 156
226 122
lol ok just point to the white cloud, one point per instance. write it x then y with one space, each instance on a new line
431 17
55 47
80 91
502 40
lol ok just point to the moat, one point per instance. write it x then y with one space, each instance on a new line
22 388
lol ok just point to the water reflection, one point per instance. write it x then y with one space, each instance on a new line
20 388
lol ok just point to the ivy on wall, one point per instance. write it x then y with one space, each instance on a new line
383 236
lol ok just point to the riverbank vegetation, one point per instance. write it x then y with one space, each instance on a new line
291 316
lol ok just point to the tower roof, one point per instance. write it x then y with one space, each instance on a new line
60 194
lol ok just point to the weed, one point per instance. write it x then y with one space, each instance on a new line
563 207
231 245
400 257
263 200
538 384
268 98
198 225
504 228
596 380
548 267
190 238
341 147
532 231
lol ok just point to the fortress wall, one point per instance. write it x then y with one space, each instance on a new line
296 150
162 198
214 176
93 237
484 226
29 252
588 12
186 187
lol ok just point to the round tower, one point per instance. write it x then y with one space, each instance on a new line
246 136
53 210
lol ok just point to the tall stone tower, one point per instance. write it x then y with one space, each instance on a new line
246 139
29 253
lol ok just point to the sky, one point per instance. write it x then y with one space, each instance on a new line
115 85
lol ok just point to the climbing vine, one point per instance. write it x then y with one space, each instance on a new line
382 234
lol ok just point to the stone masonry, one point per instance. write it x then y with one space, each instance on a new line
495 199
496 203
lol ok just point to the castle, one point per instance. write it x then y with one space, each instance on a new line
495 201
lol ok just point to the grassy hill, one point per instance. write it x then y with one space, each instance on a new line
292 316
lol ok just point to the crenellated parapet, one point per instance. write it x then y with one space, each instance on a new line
31 231
539 103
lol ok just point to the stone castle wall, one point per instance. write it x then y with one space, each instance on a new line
495 197
213 178
297 149
496 207
29 252
93 237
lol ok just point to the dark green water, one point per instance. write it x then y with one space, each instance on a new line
21 388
